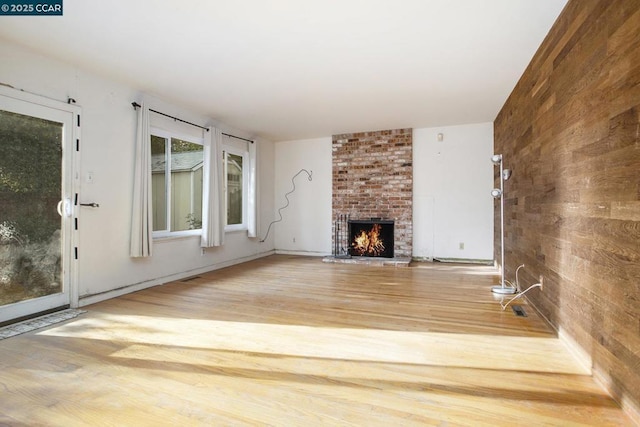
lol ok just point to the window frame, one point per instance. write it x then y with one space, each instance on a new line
168 135
244 153
23 103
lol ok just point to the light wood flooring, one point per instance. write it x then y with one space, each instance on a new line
292 341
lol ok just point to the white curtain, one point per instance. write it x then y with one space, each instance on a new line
141 217
214 218
252 226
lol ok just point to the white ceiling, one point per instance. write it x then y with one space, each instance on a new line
294 69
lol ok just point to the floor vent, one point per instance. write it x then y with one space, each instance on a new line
519 311
188 279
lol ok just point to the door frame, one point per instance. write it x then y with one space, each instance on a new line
53 110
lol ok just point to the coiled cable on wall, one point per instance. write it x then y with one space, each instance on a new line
286 196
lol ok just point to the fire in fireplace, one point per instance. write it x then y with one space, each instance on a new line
371 238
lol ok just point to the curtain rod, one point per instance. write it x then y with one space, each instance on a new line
136 105
238 137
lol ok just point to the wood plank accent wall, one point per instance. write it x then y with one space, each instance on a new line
373 178
570 132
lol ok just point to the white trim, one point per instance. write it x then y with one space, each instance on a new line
95 298
302 253
74 270
164 133
230 228
49 109
168 136
164 235
21 95
244 153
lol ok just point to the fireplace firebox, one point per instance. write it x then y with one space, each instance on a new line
371 237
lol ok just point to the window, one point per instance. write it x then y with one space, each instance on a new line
176 181
236 180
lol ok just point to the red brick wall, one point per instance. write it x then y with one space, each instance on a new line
373 178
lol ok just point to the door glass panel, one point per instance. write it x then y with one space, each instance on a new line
30 189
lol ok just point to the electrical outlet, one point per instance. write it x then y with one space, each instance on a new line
294 240
461 246
541 283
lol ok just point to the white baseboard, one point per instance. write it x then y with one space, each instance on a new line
301 253
95 298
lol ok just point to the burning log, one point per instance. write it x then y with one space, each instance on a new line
368 243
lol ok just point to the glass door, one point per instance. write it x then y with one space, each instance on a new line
36 180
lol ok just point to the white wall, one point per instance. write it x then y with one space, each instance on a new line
306 223
452 182
107 150
451 196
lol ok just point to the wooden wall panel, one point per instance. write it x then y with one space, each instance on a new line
570 132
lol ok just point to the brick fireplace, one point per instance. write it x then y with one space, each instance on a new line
373 178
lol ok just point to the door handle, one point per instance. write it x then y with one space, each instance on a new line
91 205
66 205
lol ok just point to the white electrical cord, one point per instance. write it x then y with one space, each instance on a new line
517 282
516 287
504 306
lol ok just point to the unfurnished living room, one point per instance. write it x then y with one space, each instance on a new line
301 213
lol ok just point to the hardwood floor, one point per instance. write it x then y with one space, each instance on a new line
291 341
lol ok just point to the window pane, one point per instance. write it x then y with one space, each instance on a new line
187 160
234 189
159 182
